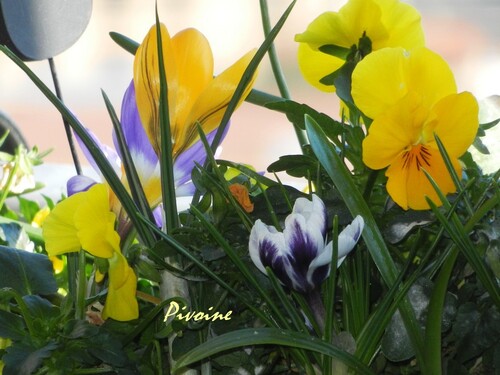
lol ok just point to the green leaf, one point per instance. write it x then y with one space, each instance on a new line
12 326
25 272
374 241
295 165
13 235
125 42
334 50
267 336
24 358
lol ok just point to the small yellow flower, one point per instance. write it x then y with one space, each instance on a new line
194 95
412 96
387 23
84 221
240 193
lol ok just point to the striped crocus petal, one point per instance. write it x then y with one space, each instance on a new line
268 248
305 232
319 269
135 136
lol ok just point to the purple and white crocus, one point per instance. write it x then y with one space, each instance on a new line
299 256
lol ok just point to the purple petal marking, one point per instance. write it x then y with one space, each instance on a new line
279 263
319 275
77 184
108 152
133 131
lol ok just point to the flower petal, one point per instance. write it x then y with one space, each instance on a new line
349 237
402 22
384 77
134 133
59 230
456 123
394 131
268 249
212 103
95 223
121 303
194 61
77 184
407 184
315 65
147 81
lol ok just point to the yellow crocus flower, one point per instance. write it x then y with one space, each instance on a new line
194 95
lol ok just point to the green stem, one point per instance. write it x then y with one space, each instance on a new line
278 71
81 287
10 179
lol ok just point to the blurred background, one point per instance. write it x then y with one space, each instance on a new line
464 32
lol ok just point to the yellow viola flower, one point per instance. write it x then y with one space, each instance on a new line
84 221
194 95
387 23
412 96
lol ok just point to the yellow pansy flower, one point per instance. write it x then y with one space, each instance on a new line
412 96
387 23
84 220
194 95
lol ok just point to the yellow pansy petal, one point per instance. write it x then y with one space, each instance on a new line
194 61
345 27
402 22
407 184
456 123
96 224
40 217
429 75
212 103
392 132
147 81
378 81
315 65
59 230
384 77
121 303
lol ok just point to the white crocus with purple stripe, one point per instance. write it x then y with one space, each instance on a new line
299 256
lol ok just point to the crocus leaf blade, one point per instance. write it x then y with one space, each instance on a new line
342 179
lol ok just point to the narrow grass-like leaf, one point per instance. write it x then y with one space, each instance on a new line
268 336
248 275
166 156
104 166
331 283
125 42
248 74
186 253
374 241
134 182
453 173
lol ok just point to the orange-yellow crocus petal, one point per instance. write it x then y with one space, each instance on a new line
147 81
194 63
407 183
213 101
121 303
